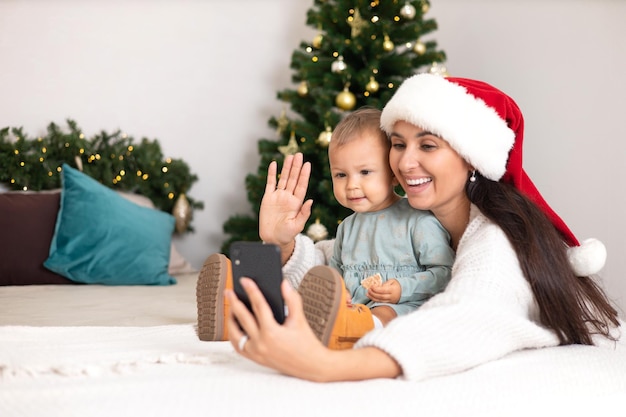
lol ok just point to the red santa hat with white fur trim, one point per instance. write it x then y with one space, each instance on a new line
486 127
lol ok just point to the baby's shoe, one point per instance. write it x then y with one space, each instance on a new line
215 276
324 297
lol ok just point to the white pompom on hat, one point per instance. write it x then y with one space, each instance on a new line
486 127
588 258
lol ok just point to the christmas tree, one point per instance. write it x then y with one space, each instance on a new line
362 52
113 159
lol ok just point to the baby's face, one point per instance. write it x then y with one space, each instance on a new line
362 178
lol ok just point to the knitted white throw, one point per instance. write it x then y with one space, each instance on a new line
96 350
166 371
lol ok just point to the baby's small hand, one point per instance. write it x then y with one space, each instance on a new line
389 292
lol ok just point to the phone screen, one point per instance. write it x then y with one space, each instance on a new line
260 262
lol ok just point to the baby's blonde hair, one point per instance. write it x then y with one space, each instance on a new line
351 127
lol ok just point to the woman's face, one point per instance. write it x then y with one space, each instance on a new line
432 174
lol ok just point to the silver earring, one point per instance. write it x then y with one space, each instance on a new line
473 177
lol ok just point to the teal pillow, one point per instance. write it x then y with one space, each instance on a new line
102 238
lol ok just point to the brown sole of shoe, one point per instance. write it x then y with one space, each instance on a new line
210 297
320 290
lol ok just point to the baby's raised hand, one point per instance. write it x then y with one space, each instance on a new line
283 211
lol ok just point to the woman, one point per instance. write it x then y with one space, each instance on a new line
456 150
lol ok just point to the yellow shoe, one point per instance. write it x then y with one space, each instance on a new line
215 276
324 299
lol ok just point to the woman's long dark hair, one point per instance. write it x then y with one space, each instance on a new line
574 307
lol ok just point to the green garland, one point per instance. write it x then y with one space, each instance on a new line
114 160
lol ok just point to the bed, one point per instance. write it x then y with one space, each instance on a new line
88 350
119 347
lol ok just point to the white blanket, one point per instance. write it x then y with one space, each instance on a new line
95 351
167 371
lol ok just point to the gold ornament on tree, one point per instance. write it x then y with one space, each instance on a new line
303 89
425 7
387 44
282 123
292 146
317 41
419 48
345 100
182 213
325 137
372 86
357 23
317 231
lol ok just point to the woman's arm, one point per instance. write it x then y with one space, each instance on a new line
293 348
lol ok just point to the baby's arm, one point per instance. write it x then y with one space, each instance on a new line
433 252
420 287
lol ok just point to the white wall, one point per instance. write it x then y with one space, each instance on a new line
202 76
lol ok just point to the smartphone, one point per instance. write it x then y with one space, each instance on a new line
261 262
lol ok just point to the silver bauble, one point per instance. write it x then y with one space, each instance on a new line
408 11
338 66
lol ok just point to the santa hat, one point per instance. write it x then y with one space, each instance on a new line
485 127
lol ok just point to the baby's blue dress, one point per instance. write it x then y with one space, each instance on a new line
398 242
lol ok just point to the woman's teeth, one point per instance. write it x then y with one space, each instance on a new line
419 181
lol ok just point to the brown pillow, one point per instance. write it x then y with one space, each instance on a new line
27 222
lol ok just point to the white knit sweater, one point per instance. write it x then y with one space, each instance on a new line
487 311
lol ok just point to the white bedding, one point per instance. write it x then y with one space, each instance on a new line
99 305
117 351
